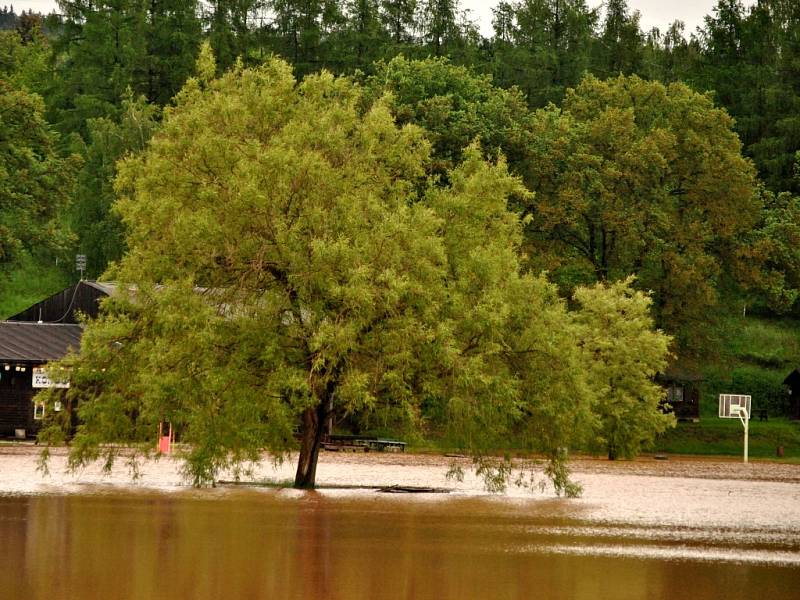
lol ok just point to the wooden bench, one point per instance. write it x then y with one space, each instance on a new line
360 443
382 445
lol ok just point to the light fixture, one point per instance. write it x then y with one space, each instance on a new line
16 368
8 367
22 369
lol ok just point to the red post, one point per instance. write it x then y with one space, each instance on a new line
165 437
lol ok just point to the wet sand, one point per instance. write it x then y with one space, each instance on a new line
680 491
19 462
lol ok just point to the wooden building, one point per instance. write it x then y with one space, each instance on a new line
29 340
792 381
24 349
683 392
82 298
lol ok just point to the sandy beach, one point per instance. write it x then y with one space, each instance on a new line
679 491
19 467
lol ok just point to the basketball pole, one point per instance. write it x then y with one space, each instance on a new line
746 424
737 405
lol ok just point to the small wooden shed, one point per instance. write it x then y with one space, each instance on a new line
63 307
682 386
792 381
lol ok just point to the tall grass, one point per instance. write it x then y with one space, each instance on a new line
725 437
29 283
758 341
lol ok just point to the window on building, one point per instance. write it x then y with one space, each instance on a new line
38 411
675 394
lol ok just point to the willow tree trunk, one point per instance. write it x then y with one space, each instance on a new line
311 431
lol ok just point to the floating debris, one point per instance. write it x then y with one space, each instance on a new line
412 489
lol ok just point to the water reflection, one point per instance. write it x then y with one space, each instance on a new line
247 544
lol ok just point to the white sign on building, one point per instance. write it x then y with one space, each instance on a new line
41 380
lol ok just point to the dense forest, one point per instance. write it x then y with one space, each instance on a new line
668 155
562 209
89 85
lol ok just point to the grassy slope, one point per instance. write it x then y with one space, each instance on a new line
28 284
757 355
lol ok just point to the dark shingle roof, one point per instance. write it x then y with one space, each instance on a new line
37 341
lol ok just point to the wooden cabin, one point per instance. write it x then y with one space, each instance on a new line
29 340
25 348
792 381
682 392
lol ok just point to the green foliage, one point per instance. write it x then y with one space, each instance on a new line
363 38
289 259
398 16
113 48
623 354
34 182
750 62
759 354
764 384
629 176
443 29
771 257
25 65
770 342
99 229
454 106
618 50
669 56
326 284
542 46
634 177
228 29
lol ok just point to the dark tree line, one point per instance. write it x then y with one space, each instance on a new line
106 69
746 56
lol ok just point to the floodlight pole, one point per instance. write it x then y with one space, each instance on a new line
746 424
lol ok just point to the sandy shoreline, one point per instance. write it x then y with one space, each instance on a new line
19 462
762 498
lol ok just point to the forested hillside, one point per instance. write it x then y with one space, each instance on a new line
667 155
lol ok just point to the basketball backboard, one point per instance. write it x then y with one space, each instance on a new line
730 406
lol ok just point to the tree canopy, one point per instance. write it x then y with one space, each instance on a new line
635 177
289 261
35 181
454 105
617 337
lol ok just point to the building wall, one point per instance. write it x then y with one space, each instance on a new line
16 405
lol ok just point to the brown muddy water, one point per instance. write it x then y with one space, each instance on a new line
636 533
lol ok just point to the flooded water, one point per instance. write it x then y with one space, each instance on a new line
107 543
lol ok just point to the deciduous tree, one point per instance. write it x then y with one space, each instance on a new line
454 105
623 354
634 177
290 262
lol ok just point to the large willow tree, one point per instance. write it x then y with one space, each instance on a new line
289 261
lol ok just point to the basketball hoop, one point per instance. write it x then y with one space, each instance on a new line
736 406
